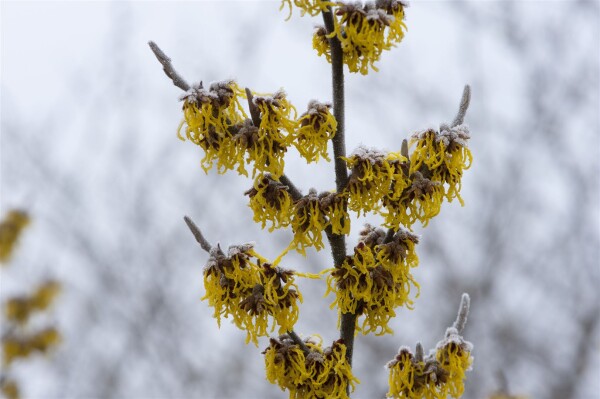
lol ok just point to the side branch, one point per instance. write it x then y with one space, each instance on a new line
298 341
197 234
463 313
168 67
464 105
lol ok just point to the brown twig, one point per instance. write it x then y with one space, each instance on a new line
168 67
197 234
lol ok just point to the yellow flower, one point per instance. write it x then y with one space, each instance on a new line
19 309
10 231
439 375
443 156
421 200
210 118
319 373
364 31
317 127
376 279
321 42
18 347
310 7
374 174
258 298
267 145
454 355
335 206
270 202
9 388
308 223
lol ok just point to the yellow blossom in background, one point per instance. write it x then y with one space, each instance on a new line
443 156
15 347
210 120
373 174
19 309
376 279
308 223
316 127
270 202
10 231
258 298
9 388
319 373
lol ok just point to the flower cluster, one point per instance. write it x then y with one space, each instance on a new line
437 376
314 373
20 337
364 31
374 176
313 214
20 346
310 7
10 230
271 202
443 156
210 118
19 309
403 190
376 279
258 296
316 127
215 120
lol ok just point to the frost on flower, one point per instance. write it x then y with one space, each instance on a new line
318 373
374 175
316 127
259 298
376 279
364 31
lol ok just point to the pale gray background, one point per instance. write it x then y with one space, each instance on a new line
88 123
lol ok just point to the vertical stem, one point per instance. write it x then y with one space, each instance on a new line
338 242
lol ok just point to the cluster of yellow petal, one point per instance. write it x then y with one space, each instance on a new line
268 146
313 214
310 7
210 118
319 373
9 388
10 230
19 309
420 200
270 202
215 120
316 127
443 156
376 279
15 347
374 176
259 298
308 223
335 206
438 376
364 32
